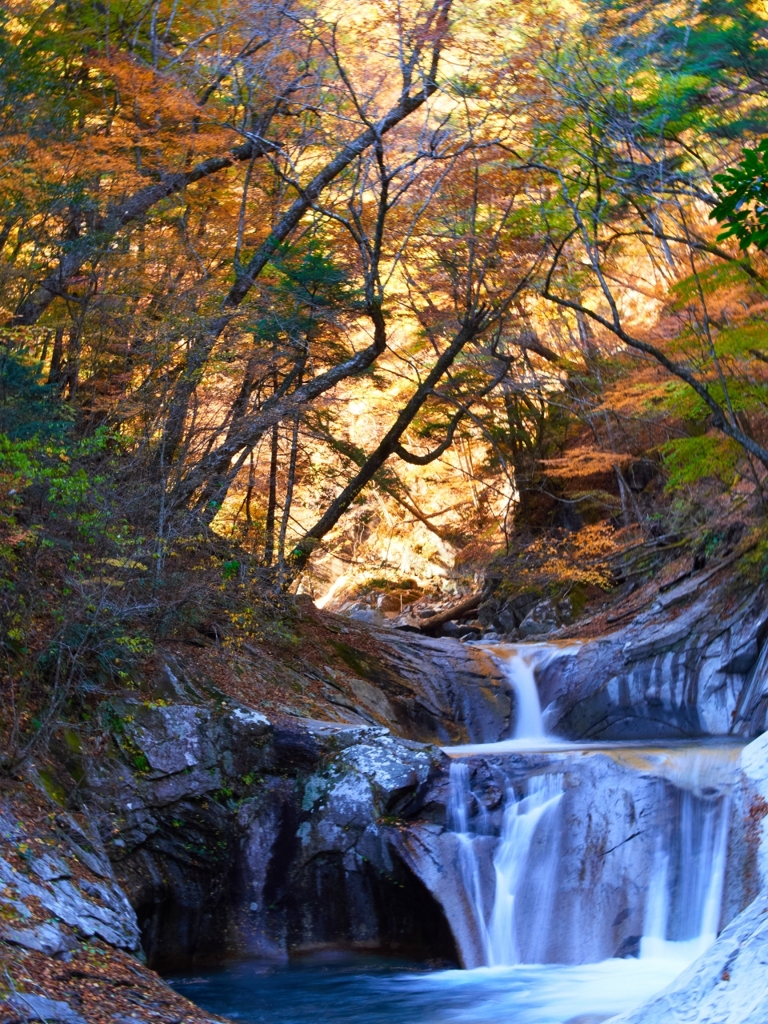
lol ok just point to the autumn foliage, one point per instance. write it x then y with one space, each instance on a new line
301 294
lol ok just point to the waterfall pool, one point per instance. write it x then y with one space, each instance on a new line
359 989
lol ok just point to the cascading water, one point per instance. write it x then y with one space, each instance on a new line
684 890
530 905
519 664
498 935
521 819
684 894
682 920
469 866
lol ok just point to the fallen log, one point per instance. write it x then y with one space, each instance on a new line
457 611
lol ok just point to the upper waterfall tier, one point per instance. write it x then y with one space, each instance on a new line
519 665
693 664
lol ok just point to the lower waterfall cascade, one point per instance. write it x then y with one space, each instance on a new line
685 886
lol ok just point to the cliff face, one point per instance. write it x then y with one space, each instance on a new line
692 664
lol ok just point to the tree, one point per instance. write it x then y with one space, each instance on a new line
626 182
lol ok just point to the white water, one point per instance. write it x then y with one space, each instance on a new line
685 889
684 895
499 934
519 663
340 989
685 927
521 819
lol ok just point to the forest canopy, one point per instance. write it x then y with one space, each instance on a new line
290 288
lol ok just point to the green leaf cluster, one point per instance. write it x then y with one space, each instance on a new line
691 459
742 193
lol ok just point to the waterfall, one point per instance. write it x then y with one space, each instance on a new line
519 666
469 866
521 819
628 857
499 935
684 887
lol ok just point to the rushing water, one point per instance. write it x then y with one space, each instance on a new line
519 663
512 861
685 885
685 882
372 990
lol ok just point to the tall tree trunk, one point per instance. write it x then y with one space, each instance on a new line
288 499
57 356
269 541
71 377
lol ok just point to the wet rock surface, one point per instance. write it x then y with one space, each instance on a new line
318 834
694 664
424 689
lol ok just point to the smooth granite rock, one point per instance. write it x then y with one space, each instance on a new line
727 985
693 664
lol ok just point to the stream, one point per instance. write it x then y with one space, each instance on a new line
545 943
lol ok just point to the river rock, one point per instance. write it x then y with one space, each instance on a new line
457 693
100 910
727 985
28 1007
